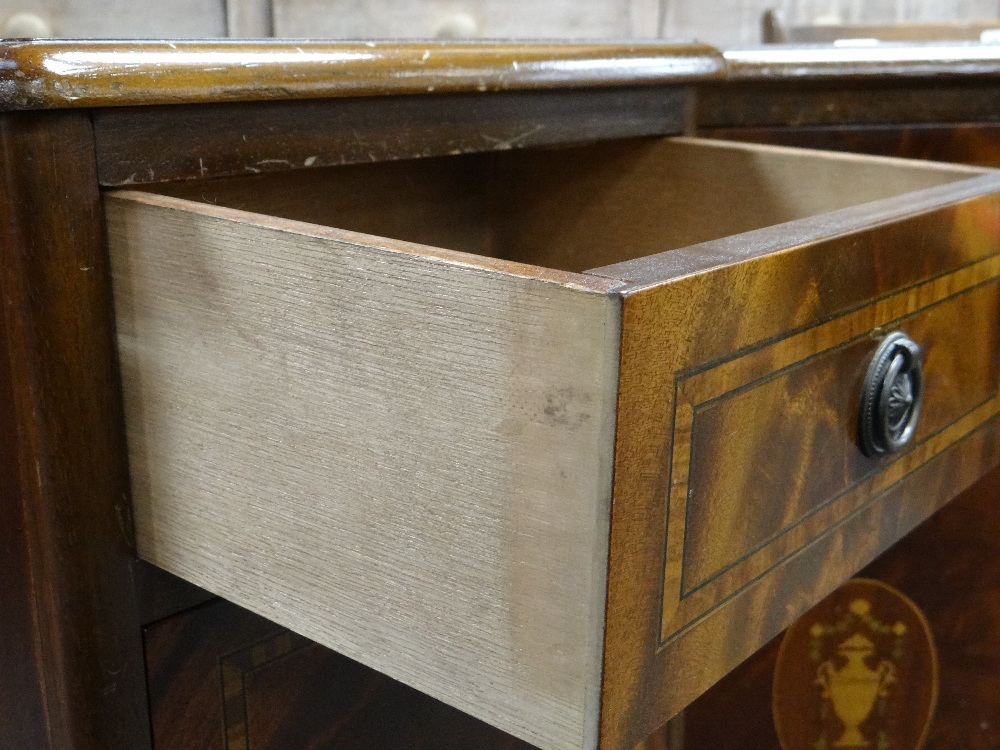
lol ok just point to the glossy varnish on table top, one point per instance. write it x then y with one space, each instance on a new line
798 85
65 73
56 74
862 61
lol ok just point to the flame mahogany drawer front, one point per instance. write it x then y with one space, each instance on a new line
556 436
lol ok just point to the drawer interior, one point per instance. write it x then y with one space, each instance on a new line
577 208
525 492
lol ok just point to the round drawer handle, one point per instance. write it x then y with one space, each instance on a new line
891 396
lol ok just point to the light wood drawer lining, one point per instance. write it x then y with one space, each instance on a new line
586 207
367 445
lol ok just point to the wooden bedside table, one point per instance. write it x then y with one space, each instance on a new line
557 435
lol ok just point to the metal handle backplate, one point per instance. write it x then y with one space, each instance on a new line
891 396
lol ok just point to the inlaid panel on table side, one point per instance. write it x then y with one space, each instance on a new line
222 676
940 565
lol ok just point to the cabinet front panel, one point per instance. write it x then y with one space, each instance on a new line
742 494
773 458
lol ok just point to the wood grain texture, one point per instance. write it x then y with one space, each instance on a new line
853 253
22 693
857 259
158 144
940 566
222 677
766 453
402 453
40 75
749 686
854 543
71 540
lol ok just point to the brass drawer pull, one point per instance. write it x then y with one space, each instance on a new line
891 396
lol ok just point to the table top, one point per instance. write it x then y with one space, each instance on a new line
71 73
59 74
862 62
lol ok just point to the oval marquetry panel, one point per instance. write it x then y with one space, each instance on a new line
859 670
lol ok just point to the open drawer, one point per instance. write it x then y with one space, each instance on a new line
565 501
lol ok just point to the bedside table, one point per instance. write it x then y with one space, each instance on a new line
444 357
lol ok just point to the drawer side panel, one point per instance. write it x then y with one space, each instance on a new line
405 459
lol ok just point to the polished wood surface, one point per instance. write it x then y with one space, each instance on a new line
71 536
42 74
873 530
77 682
220 676
655 664
947 60
772 443
794 86
940 566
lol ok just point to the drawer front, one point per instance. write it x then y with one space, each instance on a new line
765 444
741 495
